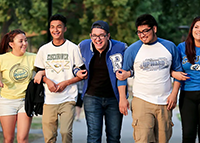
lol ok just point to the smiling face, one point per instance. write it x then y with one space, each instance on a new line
19 45
147 34
100 39
196 32
57 29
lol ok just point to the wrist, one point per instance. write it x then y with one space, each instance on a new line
44 78
122 97
131 73
67 82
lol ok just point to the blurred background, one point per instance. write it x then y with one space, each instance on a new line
173 17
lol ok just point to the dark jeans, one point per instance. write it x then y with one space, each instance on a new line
189 105
95 109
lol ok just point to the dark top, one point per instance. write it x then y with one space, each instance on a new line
34 98
99 82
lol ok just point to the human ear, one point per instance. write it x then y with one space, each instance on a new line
155 29
10 44
108 36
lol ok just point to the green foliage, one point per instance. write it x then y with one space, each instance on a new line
28 15
36 18
73 11
170 14
32 16
119 3
120 15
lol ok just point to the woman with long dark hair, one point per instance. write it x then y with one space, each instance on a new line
16 67
189 101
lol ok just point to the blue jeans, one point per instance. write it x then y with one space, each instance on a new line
97 107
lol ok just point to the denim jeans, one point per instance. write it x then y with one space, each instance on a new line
95 109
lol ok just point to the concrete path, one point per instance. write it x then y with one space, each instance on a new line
79 131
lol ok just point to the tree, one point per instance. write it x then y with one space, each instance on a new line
120 15
73 11
31 16
170 14
8 15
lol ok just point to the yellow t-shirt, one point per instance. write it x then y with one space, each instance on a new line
16 73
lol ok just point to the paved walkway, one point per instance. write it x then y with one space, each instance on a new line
79 131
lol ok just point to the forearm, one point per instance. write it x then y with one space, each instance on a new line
39 75
176 87
123 102
45 79
70 81
122 92
172 99
73 80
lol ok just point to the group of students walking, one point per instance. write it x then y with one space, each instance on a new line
104 65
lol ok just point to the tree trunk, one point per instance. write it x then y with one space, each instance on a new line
6 24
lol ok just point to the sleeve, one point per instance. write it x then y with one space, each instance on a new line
131 70
178 48
127 64
39 69
79 65
176 60
33 62
78 58
39 60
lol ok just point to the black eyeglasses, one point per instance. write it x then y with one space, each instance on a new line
94 37
144 32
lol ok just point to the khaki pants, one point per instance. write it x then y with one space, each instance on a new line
50 121
152 123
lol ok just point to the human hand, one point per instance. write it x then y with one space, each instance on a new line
61 86
51 85
82 74
171 101
179 75
1 84
122 74
123 106
38 76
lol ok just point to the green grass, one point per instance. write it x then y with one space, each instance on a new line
36 122
178 116
32 137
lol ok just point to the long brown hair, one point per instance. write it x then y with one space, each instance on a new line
190 44
8 37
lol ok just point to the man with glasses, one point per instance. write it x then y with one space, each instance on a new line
152 60
102 57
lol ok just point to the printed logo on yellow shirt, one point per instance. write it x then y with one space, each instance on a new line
19 73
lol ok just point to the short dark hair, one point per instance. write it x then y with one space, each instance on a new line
58 17
146 19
